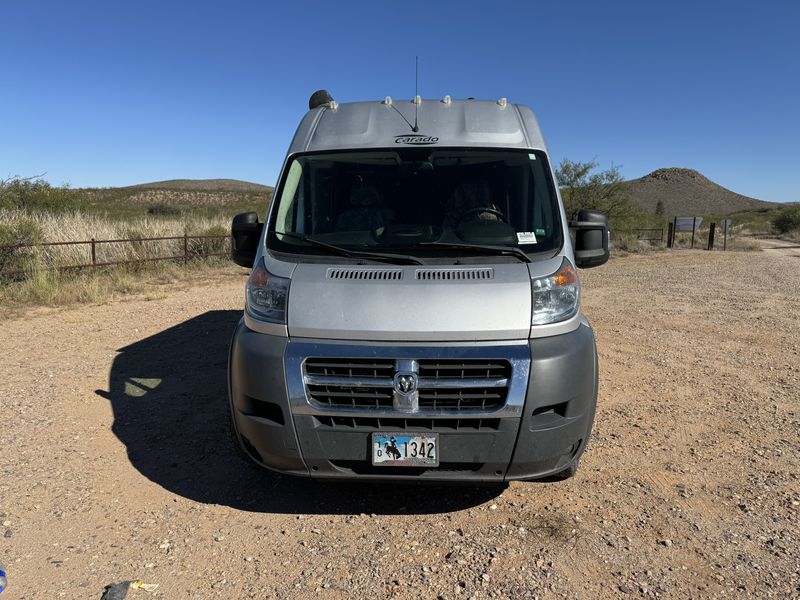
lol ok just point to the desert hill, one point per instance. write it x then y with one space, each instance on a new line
688 192
206 185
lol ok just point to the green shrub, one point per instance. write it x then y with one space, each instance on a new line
167 210
201 247
16 261
37 195
788 219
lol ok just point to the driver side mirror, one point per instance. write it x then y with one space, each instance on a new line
591 238
245 233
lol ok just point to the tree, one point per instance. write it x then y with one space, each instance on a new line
36 194
600 190
660 208
787 219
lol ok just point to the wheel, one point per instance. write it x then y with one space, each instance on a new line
567 473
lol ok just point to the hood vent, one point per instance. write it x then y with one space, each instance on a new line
366 274
455 274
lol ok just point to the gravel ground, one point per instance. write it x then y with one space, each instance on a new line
114 464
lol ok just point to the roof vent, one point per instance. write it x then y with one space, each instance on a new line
320 98
387 101
417 100
502 102
447 100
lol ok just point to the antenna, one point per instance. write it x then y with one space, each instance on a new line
416 95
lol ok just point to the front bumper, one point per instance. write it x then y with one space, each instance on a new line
542 429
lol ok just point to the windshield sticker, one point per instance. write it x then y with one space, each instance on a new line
540 232
416 139
526 237
532 156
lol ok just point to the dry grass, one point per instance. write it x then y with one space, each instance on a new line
45 287
33 277
76 226
622 244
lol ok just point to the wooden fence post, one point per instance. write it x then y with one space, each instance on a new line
711 236
94 254
670 234
694 226
185 248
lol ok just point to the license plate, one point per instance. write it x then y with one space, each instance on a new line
405 449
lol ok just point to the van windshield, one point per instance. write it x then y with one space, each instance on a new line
417 200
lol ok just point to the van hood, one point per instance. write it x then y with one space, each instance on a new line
402 303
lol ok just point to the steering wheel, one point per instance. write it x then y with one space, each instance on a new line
482 209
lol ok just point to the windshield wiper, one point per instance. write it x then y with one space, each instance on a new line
501 250
386 257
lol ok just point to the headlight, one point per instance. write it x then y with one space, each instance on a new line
266 295
557 297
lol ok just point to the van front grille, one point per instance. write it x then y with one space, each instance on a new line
443 384
437 425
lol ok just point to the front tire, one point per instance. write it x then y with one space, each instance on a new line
567 473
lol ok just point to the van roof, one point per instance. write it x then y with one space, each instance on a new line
377 124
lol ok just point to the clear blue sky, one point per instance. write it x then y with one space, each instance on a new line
113 93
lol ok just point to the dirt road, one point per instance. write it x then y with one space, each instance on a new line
114 463
781 247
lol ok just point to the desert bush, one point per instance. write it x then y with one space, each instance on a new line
16 261
34 194
788 219
164 210
627 242
202 247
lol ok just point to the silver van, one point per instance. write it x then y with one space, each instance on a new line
413 309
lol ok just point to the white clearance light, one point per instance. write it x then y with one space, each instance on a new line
387 101
334 105
447 100
502 102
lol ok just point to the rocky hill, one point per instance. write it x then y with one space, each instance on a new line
205 185
688 192
178 196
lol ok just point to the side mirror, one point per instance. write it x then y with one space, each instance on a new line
245 233
591 238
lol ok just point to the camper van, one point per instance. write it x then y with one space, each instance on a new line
413 306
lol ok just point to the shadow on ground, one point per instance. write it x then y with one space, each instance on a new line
169 397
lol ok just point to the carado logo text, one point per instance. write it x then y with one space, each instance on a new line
416 138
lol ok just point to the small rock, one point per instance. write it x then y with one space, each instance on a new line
6 523
666 543
248 558
493 507
8 533
625 589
